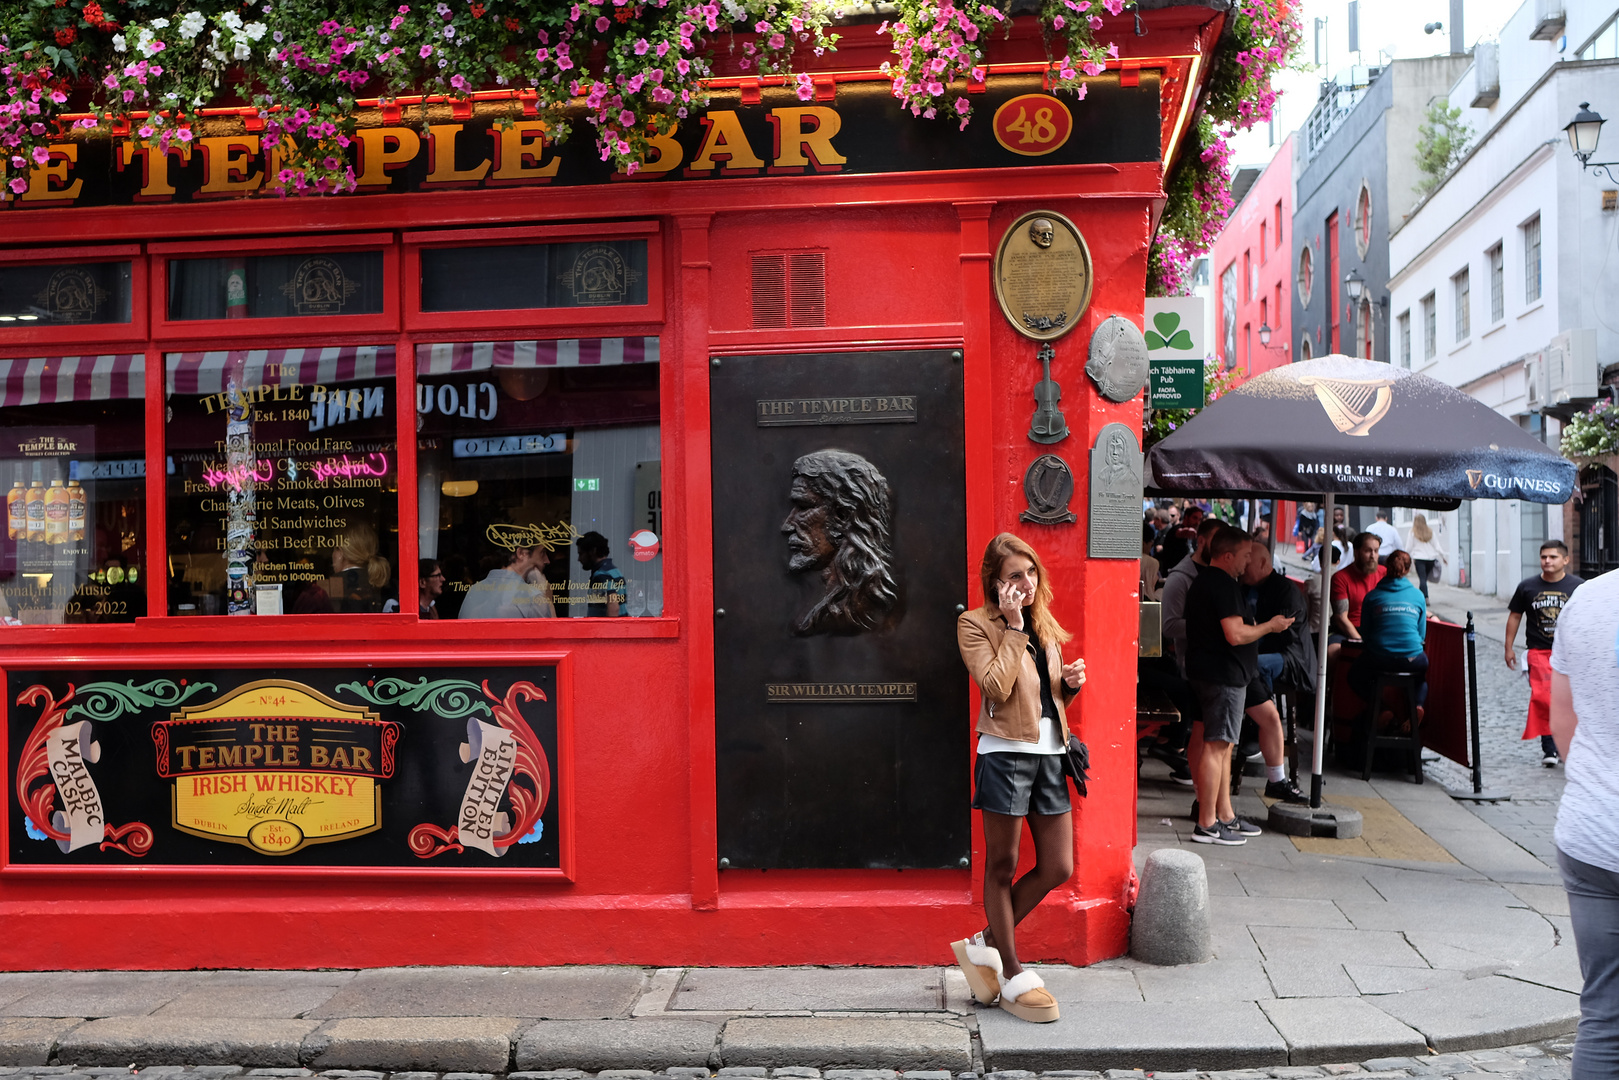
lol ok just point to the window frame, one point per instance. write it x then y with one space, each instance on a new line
1461 299
32 337
619 316
1404 323
1430 327
1495 262
1538 265
301 328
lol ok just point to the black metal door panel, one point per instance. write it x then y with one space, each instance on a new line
839 554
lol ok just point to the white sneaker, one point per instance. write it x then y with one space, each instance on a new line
1550 761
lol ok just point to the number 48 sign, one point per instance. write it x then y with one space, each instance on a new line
1033 124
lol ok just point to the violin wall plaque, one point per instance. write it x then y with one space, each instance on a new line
1048 485
1048 425
1115 514
1043 275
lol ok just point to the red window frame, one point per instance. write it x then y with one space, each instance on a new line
385 322
548 322
28 339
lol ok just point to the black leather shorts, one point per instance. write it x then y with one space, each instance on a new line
1018 785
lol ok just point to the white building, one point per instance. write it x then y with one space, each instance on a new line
1503 281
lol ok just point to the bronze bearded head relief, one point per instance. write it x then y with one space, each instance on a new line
840 526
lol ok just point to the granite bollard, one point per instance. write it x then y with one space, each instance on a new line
1171 924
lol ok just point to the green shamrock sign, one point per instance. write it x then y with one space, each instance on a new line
1167 334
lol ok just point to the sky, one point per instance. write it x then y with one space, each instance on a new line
1388 29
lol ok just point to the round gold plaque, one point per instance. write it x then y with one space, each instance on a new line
1043 275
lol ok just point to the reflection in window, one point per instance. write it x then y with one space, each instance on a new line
68 295
283 493
276 286
533 457
594 274
73 459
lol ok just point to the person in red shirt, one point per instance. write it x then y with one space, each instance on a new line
1349 587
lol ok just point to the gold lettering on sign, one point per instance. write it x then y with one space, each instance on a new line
227 165
871 409
839 693
519 152
792 141
376 156
724 140
441 157
48 182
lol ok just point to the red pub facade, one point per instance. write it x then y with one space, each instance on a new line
232 425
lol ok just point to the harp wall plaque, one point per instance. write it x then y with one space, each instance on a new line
1048 485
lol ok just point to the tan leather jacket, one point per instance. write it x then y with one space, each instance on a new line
1000 663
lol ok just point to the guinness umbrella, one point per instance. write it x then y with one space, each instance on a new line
1345 429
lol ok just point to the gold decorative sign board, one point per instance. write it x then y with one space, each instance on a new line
1043 275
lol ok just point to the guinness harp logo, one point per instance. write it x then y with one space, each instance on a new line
1353 405
1474 478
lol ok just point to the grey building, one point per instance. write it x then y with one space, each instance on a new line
1355 173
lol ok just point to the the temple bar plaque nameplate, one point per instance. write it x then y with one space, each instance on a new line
839 693
867 409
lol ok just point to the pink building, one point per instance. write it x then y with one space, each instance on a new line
1250 270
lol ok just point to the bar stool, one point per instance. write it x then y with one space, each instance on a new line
1404 684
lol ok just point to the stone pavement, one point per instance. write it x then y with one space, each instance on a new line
1415 950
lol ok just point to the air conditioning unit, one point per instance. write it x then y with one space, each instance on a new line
1549 20
1535 379
1571 369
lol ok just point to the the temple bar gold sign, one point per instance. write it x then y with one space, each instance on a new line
839 693
1043 275
809 411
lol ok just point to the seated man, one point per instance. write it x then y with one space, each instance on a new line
1283 657
1350 584
506 594
1394 626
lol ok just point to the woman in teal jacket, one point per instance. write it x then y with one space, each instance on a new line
1394 626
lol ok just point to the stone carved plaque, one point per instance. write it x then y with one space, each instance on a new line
1043 275
1115 515
1048 485
1118 360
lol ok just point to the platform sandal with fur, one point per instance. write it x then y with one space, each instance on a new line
1024 995
982 966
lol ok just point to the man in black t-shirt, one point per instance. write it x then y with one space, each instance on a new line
1222 658
1541 598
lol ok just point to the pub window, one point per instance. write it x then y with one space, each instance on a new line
73 459
65 295
276 286
283 493
601 273
539 478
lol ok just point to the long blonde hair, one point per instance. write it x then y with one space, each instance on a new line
1420 530
1046 627
358 543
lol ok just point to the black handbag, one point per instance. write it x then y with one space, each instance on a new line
1076 762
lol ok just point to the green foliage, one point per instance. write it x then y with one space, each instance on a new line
1593 433
1442 141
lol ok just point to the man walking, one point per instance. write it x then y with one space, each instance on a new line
1585 723
1542 598
1222 659
1387 534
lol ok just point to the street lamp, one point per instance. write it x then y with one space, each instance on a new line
1356 286
1264 339
1583 132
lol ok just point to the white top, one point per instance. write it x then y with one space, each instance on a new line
1425 549
1388 534
505 595
1048 744
1584 650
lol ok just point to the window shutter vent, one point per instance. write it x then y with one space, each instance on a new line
769 291
789 289
806 287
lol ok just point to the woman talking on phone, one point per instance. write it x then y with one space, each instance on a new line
1013 649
